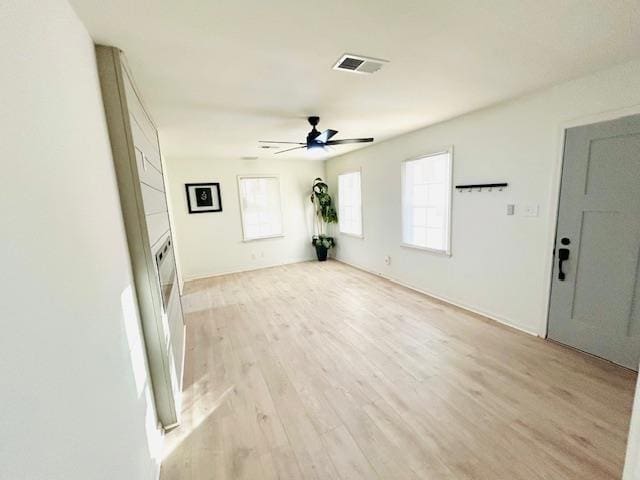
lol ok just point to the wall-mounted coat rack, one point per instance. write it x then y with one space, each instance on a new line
480 186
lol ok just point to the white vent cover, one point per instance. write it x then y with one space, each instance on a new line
359 64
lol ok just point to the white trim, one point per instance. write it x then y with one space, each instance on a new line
253 175
437 151
447 251
442 253
554 196
184 348
354 235
267 237
347 172
478 311
191 278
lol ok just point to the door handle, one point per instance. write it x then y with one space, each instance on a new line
563 255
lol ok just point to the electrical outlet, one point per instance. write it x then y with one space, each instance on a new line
531 210
511 209
253 256
387 260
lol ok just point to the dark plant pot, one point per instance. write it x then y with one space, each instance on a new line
321 252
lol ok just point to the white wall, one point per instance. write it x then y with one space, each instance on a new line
75 399
500 265
211 243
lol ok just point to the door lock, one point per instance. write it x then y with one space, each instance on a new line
563 255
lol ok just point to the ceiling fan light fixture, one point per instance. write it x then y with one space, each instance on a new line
315 147
316 151
316 141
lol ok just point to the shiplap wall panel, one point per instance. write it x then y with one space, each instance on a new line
139 116
149 164
158 225
147 145
150 175
155 200
174 319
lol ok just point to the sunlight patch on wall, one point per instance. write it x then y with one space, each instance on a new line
134 338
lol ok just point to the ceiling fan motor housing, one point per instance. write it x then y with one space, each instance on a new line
313 134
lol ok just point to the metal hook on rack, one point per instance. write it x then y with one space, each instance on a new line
480 186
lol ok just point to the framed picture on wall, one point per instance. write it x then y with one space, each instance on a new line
203 197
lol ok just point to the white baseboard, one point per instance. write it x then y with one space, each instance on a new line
249 269
476 310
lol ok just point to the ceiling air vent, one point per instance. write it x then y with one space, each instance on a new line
359 64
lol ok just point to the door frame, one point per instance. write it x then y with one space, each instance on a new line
554 196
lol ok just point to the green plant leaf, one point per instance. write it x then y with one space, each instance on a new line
325 211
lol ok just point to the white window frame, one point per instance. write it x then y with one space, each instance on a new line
449 182
355 235
244 235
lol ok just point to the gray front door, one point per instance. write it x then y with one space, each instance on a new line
595 295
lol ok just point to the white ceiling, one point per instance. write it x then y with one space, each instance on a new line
220 75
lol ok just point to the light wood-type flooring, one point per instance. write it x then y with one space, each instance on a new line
322 371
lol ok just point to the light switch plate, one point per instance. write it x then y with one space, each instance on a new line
511 208
531 210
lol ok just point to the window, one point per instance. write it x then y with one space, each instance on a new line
349 204
426 202
260 207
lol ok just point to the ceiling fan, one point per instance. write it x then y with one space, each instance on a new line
315 139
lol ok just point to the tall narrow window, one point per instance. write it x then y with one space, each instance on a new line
350 203
260 207
426 202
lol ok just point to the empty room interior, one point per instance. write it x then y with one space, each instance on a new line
248 240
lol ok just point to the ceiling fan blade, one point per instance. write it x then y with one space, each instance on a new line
289 149
293 143
349 140
325 136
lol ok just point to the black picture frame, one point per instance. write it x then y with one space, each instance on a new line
198 201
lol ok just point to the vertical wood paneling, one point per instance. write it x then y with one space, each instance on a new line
145 139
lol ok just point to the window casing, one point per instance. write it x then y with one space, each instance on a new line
426 202
260 206
350 203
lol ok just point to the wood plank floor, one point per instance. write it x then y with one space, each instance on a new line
321 371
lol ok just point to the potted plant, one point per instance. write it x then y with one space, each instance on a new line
325 213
